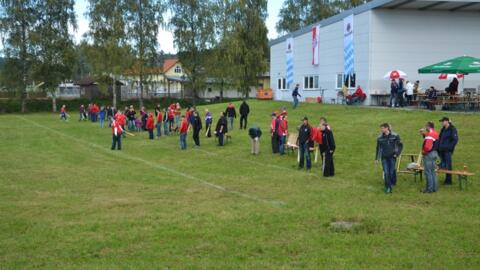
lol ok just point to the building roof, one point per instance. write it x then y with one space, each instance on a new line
422 5
86 81
168 64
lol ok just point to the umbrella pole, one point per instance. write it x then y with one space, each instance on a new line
463 84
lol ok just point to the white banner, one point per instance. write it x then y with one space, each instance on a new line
348 48
315 44
289 57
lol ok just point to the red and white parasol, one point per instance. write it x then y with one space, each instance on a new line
445 76
395 74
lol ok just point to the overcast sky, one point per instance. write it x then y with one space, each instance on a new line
165 37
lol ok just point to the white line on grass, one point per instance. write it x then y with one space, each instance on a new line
160 167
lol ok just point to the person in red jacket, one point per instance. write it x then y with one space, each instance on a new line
150 125
282 132
430 155
63 113
183 133
117 132
159 122
171 117
121 120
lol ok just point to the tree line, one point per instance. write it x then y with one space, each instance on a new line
221 39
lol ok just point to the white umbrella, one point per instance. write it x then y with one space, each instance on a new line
394 74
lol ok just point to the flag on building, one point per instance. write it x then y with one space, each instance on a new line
348 48
289 55
315 44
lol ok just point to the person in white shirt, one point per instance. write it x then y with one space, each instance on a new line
409 93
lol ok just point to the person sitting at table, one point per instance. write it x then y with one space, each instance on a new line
431 96
452 88
357 97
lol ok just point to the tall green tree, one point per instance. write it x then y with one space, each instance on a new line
110 52
18 22
194 33
55 49
143 19
249 43
296 14
220 64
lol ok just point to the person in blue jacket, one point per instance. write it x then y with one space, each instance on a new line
448 139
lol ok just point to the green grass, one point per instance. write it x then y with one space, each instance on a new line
68 202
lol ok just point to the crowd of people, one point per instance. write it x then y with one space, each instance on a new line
306 137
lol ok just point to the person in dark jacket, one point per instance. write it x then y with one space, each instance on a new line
393 93
328 147
244 111
274 134
221 129
388 148
303 142
255 134
231 114
295 95
452 88
448 139
400 93
197 126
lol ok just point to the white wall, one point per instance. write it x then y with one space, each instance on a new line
330 58
410 39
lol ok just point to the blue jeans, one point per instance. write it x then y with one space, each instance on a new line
102 122
295 102
304 149
430 174
166 130
446 163
388 165
159 129
281 144
230 120
131 125
220 139
183 141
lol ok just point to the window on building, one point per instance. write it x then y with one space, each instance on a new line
282 84
310 82
349 81
178 69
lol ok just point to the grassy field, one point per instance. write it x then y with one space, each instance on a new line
68 202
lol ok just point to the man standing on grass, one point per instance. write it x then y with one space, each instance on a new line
388 148
183 133
295 95
273 131
231 114
303 143
447 142
117 132
221 129
149 125
208 123
430 155
244 111
197 126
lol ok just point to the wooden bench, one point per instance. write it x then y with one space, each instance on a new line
462 175
415 160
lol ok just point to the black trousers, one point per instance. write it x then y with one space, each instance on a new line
196 137
243 121
220 139
275 146
328 167
116 142
150 134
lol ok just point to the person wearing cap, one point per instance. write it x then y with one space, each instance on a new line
303 141
448 139
430 155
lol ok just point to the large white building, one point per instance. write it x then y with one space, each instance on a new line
387 35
